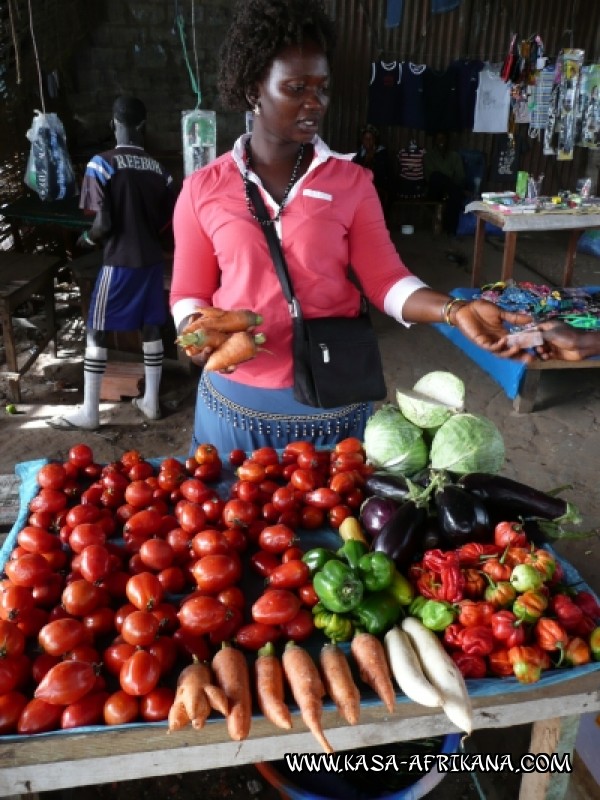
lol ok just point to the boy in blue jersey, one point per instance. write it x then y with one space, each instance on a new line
131 195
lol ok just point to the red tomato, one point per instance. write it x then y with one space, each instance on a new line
322 498
237 457
191 645
226 631
255 635
12 639
95 562
84 534
115 655
210 542
181 543
206 454
304 479
51 476
155 706
311 518
14 600
338 514
345 461
213 573
100 622
140 628
171 478
38 716
349 445
30 569
144 590
41 519
172 580
236 538
232 597
309 459
87 711
267 456
164 648
190 516
144 523
276 538
11 708
81 455
202 614
269 513
239 513
213 508
32 621
10 673
121 708
289 575
307 594
251 471
82 513
263 562
156 554
52 500
355 498
80 597
292 554
61 635
66 683
300 627
195 490
284 498
166 614
42 664
139 494
208 472
275 607
140 673
37 540
249 492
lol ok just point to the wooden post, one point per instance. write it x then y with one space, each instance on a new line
550 736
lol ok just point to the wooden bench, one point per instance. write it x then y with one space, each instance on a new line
409 210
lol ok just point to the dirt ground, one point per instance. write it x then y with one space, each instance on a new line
554 445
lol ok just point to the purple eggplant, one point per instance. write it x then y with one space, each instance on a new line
462 517
384 484
375 512
513 499
401 536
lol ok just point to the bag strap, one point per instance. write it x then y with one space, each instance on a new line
275 250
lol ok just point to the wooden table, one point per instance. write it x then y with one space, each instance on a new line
573 221
62 761
21 276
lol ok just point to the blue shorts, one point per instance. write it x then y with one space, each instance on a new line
126 299
229 415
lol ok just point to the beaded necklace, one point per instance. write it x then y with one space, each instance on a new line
288 189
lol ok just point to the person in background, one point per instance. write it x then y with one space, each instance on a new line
445 176
564 342
131 195
276 62
374 156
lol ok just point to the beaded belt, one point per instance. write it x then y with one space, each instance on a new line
323 423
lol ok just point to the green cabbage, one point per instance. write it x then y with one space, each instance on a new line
433 399
467 443
393 443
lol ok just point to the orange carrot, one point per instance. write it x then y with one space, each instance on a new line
307 688
231 670
373 667
269 687
177 718
340 683
228 321
190 690
197 340
239 347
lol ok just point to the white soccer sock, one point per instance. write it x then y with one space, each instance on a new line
153 361
94 365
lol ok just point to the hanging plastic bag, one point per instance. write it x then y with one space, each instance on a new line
49 170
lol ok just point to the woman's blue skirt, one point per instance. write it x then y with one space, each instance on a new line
230 415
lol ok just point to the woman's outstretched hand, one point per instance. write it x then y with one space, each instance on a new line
483 323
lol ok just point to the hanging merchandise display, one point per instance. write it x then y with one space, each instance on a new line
49 170
199 130
589 105
564 104
540 94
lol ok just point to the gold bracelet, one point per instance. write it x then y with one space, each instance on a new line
448 306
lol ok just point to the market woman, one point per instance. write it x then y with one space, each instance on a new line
276 62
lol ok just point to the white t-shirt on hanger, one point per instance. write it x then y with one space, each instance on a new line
492 105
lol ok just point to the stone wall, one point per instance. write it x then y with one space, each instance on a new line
136 49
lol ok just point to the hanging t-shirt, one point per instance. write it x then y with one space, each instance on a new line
506 156
384 93
467 81
411 175
412 110
492 104
440 100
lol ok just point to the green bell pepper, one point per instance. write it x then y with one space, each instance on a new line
437 615
316 558
353 550
415 609
336 627
377 612
337 587
524 578
401 588
376 570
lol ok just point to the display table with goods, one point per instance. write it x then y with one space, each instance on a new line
577 306
160 616
514 216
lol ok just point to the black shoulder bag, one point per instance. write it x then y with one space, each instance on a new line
336 359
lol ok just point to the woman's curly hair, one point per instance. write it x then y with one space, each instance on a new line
260 29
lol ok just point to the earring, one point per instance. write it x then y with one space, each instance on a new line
256 109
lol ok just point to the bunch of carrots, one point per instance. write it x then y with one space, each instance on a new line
225 686
226 335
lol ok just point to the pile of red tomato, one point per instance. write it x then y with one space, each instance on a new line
126 571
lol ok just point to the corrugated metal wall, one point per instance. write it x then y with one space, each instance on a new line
476 29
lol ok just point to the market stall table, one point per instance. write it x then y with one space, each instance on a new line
21 276
63 215
573 220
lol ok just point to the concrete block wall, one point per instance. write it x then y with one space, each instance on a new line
136 48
